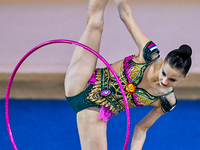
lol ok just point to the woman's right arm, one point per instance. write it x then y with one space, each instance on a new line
141 128
135 31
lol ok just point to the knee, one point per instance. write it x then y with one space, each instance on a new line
95 21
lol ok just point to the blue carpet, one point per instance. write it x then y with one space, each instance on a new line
51 125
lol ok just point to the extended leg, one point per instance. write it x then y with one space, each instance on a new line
83 63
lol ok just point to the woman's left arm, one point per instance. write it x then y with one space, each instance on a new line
141 128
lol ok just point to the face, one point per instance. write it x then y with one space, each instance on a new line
168 76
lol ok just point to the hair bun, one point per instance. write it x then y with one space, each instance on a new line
185 51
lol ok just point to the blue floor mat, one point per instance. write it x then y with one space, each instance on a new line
51 125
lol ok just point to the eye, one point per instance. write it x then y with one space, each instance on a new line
163 73
173 80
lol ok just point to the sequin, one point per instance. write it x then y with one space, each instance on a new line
105 92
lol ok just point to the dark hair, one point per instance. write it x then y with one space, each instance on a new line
180 58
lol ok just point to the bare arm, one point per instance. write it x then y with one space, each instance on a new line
141 128
126 16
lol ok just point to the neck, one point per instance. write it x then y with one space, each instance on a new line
157 69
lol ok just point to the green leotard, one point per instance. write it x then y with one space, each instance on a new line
104 91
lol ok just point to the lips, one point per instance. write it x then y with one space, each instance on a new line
163 84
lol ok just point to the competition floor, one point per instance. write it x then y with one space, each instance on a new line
51 125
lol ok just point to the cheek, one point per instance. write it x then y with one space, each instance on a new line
160 77
173 83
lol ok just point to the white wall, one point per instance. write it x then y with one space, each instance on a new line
25 25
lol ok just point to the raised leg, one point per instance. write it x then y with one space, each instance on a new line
83 63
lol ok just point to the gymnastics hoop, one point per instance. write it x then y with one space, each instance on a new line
68 42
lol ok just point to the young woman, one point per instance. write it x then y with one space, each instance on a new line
94 93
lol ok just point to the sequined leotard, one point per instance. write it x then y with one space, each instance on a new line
104 91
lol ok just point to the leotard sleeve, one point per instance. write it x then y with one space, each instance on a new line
150 49
166 105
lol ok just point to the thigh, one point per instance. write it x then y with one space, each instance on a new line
92 131
83 62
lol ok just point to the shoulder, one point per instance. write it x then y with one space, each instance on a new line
171 98
168 102
150 52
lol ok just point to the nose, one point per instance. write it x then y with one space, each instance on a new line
164 81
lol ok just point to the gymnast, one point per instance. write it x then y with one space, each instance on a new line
94 94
